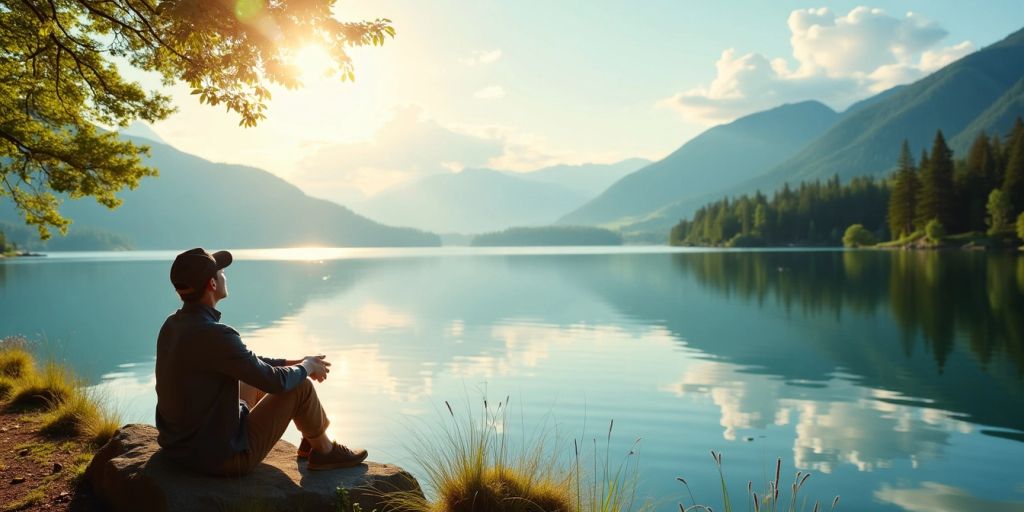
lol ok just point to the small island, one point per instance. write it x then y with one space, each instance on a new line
548 236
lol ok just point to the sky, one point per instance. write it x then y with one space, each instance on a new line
520 85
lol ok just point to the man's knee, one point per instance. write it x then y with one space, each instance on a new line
305 387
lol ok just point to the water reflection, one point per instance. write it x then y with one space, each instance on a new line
936 497
869 367
940 302
937 295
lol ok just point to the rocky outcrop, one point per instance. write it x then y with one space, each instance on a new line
130 473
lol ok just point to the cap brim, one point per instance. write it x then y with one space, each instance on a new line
223 259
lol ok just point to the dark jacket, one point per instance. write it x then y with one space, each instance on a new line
199 362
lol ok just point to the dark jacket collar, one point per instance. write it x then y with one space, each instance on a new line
201 309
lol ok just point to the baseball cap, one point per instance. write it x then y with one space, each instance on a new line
193 268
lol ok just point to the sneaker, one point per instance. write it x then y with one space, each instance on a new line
340 456
304 449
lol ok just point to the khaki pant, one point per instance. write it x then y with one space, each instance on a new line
269 416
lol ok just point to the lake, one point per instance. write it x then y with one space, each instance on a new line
896 378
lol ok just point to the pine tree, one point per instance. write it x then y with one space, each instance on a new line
1013 177
936 201
921 217
904 195
978 180
998 160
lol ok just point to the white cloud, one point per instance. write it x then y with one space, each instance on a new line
490 92
838 58
932 60
482 57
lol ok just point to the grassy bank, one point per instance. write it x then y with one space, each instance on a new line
972 240
50 425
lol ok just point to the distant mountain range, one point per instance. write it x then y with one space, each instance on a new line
195 202
485 200
806 141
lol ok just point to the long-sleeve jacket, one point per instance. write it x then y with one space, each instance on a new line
199 363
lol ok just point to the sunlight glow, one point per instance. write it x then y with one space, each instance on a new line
313 62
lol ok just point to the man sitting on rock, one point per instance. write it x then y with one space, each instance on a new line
220 408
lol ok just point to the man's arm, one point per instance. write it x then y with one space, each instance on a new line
277 361
231 357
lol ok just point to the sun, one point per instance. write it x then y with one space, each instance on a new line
313 62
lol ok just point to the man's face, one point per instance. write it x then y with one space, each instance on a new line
222 285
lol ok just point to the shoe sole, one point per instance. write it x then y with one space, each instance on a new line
334 465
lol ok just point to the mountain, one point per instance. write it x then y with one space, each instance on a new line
484 200
996 119
139 129
195 202
981 91
712 162
587 179
473 201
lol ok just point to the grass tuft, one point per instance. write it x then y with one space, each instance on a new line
71 417
6 387
469 465
43 391
67 407
15 359
80 416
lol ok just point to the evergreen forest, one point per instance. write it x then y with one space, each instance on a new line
980 195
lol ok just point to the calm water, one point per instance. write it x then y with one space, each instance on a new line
896 378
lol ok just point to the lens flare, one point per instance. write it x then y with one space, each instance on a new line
248 10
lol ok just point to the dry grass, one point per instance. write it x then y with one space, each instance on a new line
67 408
6 387
79 415
43 390
15 359
469 465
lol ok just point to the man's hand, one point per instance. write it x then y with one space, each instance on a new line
316 367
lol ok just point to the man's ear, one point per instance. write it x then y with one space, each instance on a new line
212 284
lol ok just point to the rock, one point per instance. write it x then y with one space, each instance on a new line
130 473
17 480
57 467
23 452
